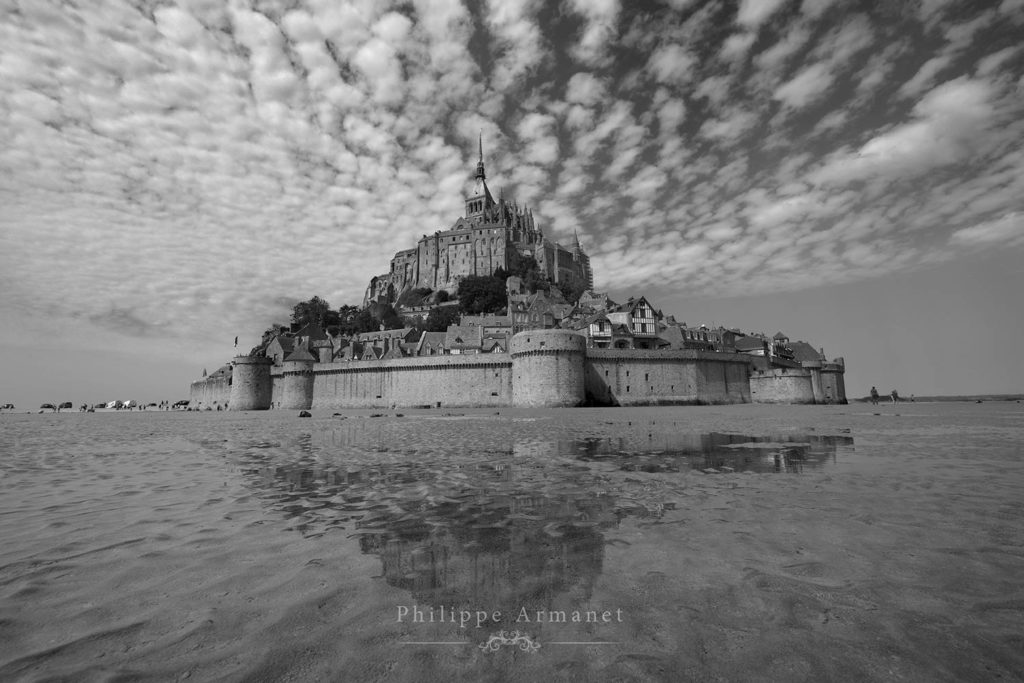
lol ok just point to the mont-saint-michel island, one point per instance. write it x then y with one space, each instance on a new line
491 312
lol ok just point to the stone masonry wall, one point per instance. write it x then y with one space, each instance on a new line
436 381
209 393
547 368
250 388
781 385
276 386
640 377
297 385
833 384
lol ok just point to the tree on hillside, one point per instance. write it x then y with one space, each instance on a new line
347 316
527 270
386 315
354 320
270 333
572 286
520 265
441 317
363 322
482 294
315 311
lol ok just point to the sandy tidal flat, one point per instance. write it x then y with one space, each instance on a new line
760 543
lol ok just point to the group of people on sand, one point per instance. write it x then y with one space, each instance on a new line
894 396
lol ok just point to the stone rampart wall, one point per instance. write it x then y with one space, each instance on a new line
436 381
677 377
547 367
833 384
782 385
276 386
209 393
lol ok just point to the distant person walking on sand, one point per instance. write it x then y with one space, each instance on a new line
895 397
874 396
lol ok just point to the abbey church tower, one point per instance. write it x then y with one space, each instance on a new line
480 204
478 243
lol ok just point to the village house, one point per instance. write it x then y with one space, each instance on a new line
640 320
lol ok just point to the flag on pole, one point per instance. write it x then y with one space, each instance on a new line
236 342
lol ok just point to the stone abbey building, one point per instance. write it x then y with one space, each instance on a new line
478 243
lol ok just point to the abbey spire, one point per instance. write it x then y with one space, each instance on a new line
480 175
480 200
485 238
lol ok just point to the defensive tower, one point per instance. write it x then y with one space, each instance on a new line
250 383
547 368
297 380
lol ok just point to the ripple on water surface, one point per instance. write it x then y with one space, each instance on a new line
263 546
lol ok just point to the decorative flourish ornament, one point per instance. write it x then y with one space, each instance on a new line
515 638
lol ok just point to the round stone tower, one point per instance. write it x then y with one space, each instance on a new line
250 383
297 383
547 368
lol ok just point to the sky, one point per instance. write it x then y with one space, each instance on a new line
177 173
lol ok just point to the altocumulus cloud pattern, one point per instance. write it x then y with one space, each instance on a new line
200 164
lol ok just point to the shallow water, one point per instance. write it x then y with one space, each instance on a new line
730 543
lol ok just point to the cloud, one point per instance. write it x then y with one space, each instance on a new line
585 88
946 123
991 63
1013 9
930 11
1007 230
599 29
814 9
783 49
806 87
715 89
845 42
729 128
671 115
831 121
182 173
537 133
672 64
925 75
736 45
518 38
378 63
753 13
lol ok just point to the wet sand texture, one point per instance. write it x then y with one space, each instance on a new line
843 545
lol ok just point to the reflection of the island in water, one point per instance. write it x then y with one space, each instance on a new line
455 537
479 526
717 451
